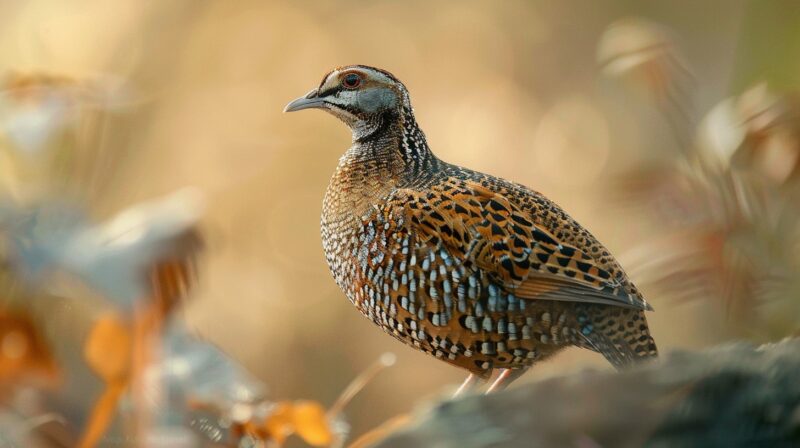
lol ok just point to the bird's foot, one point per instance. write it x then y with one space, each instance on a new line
473 381
504 379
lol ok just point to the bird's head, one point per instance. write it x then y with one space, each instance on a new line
358 95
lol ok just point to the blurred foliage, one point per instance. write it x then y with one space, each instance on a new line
727 201
142 264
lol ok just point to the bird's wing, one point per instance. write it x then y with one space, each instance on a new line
492 233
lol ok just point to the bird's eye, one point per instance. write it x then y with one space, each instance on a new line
351 81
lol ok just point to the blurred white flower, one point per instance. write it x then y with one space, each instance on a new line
631 44
114 257
51 132
197 384
755 132
643 56
203 372
30 126
721 132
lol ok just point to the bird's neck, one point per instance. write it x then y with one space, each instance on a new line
393 154
393 138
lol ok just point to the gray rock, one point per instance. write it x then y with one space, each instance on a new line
736 395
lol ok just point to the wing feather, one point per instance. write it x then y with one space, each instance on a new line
492 233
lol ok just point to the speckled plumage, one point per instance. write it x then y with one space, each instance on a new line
475 270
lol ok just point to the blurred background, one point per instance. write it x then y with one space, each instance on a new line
670 129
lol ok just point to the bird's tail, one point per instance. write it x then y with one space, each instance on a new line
620 334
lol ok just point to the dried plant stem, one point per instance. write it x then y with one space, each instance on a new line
102 413
379 433
358 383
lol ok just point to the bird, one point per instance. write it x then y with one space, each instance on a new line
480 272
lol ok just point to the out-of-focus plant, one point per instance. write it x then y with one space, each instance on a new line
51 135
142 261
645 57
246 418
166 386
25 357
108 354
728 203
757 132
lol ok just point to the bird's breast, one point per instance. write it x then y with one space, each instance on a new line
354 190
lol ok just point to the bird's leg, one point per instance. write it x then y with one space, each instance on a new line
469 384
504 379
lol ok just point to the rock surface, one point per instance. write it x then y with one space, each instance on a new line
736 395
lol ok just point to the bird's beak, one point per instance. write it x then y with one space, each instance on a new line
309 101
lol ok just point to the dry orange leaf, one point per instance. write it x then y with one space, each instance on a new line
311 423
307 419
278 424
108 348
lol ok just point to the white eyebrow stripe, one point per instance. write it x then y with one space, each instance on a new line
378 76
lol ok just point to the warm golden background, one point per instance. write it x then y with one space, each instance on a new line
519 89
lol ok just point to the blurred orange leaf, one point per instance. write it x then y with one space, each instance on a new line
24 353
305 418
108 348
311 423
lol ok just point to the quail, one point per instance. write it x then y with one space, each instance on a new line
480 272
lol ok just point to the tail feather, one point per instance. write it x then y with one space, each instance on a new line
621 335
